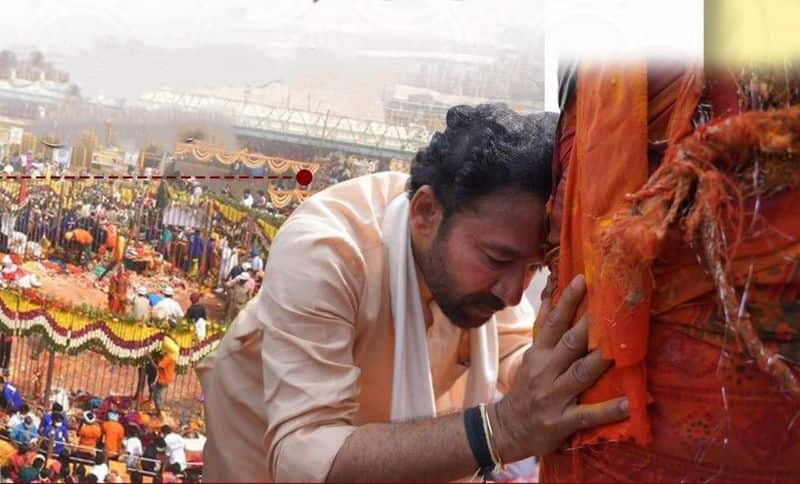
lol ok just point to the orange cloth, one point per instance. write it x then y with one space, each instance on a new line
111 236
696 412
621 116
166 371
82 236
88 436
113 433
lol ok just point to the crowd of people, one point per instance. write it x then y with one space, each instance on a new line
98 229
31 164
94 440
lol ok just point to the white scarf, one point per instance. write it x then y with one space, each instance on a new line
412 384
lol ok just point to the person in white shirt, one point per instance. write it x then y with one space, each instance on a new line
247 199
193 440
197 191
61 397
19 416
100 467
132 446
200 329
141 305
176 449
168 307
257 262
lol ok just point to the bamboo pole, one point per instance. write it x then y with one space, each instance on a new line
49 377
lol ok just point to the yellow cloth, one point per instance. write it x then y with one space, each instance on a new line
314 350
170 347
6 451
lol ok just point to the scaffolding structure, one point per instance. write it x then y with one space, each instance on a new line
318 129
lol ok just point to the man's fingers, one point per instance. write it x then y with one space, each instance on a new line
558 319
544 310
586 416
571 346
582 374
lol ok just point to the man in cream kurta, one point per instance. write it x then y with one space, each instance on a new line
312 356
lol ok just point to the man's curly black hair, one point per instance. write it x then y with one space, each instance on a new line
485 149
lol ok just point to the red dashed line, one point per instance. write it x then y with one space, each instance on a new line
141 177
303 177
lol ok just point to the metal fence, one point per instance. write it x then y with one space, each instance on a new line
37 371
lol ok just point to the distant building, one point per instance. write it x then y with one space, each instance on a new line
409 105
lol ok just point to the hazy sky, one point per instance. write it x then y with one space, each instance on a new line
120 47
77 24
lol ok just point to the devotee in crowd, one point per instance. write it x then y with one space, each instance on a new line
196 190
141 305
176 451
256 263
79 242
19 415
118 287
260 200
30 473
89 434
25 432
238 270
47 420
59 396
196 310
196 314
240 291
194 442
337 354
166 242
10 397
133 447
247 199
6 340
164 378
19 460
168 307
56 432
154 455
113 434
100 467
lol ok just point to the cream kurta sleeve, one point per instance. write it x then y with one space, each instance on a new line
310 380
515 335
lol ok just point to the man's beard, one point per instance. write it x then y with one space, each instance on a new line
444 290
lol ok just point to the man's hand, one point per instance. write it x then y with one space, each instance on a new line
540 411
536 416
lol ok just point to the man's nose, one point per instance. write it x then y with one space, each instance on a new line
511 287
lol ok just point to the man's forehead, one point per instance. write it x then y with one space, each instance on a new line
499 207
502 247
511 224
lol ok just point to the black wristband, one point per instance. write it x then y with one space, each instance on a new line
473 424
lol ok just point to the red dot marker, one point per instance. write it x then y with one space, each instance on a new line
304 177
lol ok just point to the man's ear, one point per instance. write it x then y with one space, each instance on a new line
425 213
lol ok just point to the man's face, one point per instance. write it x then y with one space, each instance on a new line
484 258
